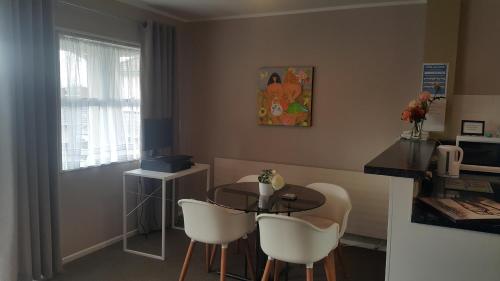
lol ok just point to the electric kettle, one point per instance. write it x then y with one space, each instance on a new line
449 159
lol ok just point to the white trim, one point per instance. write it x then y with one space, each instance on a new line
96 247
364 242
314 10
145 6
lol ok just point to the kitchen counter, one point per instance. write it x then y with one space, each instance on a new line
405 158
417 248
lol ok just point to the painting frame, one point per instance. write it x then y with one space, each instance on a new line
285 96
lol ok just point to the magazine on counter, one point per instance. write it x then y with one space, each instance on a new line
462 209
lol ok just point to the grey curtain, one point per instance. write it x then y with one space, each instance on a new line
158 102
157 70
8 228
29 52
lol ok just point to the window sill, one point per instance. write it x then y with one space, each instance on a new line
61 171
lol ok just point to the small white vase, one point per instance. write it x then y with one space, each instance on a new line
266 189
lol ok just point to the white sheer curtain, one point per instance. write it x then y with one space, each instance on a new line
100 102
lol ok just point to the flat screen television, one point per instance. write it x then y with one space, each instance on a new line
157 134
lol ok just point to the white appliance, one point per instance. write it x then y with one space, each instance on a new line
481 154
449 159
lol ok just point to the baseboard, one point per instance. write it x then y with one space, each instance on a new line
364 242
96 247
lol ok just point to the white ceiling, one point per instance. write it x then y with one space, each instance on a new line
195 10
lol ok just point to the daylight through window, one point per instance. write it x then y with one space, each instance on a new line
100 102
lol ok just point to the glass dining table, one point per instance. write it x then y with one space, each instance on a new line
244 196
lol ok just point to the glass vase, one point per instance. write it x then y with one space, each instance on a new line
416 132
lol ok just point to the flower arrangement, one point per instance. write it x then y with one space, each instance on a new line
269 176
417 110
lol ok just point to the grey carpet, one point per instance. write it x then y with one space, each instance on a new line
112 264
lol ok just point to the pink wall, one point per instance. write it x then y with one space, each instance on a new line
367 64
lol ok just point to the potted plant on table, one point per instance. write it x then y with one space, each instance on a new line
269 181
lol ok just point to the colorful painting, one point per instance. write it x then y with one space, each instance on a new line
285 96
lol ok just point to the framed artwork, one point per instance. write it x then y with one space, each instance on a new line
285 96
472 128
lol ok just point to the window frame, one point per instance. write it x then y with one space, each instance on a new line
59 31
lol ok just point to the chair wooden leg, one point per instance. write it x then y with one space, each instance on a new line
185 266
326 266
340 259
277 270
223 265
249 260
309 274
267 270
212 257
331 267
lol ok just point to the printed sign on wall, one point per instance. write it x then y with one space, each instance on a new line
435 81
435 74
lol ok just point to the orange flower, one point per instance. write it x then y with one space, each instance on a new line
413 104
425 96
406 116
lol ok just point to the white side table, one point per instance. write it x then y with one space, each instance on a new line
164 177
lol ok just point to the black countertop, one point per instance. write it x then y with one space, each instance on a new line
405 158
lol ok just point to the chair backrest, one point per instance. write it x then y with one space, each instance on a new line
294 240
209 223
249 178
337 206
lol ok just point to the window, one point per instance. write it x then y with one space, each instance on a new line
100 102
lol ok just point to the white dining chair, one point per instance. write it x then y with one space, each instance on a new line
290 239
335 210
211 224
249 178
210 251
251 225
